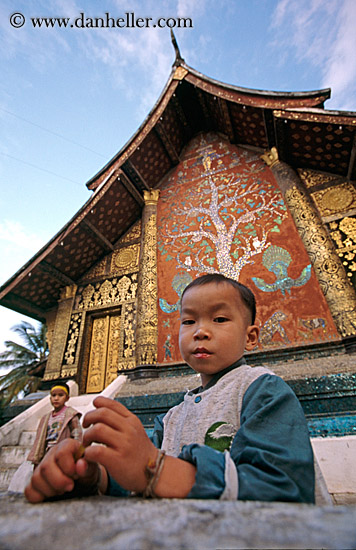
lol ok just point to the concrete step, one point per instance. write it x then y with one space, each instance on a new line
12 455
27 439
6 476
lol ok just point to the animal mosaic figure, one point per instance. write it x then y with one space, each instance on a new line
277 260
313 324
271 327
178 284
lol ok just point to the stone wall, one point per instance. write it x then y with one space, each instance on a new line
107 523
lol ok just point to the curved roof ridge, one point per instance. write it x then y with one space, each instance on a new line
180 70
321 111
139 129
253 91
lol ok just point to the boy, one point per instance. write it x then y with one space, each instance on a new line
242 434
55 426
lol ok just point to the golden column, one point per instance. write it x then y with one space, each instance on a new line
337 289
147 319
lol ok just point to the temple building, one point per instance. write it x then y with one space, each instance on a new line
253 184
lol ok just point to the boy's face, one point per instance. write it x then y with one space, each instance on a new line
215 328
58 398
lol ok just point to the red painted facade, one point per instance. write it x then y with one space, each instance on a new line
221 210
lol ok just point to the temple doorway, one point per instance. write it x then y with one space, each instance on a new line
104 351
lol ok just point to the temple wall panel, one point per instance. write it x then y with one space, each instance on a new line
102 307
221 210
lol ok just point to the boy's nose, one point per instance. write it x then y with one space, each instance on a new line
201 333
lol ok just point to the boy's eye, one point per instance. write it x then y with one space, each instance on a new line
220 319
188 322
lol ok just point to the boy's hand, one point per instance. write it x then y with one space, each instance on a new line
127 447
57 472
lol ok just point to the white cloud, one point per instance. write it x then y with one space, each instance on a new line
323 34
191 8
340 70
17 245
12 232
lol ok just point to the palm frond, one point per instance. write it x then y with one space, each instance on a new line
23 360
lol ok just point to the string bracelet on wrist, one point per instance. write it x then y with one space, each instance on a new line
153 472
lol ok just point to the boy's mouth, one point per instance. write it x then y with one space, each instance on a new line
201 353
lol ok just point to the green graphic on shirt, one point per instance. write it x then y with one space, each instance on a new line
219 436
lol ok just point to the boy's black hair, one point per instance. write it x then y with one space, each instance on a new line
245 293
63 384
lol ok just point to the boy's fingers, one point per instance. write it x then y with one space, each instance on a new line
64 456
113 405
105 416
40 488
100 433
103 455
54 475
32 495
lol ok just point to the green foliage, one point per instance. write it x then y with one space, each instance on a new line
22 359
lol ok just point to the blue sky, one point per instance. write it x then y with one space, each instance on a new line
70 98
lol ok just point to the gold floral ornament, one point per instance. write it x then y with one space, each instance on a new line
270 157
335 200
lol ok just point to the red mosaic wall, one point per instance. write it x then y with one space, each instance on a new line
220 210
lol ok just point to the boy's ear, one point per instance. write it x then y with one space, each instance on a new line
252 334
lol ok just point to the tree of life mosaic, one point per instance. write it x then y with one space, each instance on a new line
218 227
221 211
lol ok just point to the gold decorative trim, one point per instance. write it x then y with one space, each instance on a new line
308 117
151 197
68 292
147 315
338 199
107 293
125 260
271 157
62 323
312 178
338 291
179 73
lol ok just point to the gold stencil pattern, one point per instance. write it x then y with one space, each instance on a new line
126 356
97 271
338 292
72 339
343 233
62 323
311 178
147 318
125 260
109 292
335 200
133 234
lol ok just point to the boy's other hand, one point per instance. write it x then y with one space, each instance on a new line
57 472
126 449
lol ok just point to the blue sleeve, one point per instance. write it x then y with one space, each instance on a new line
272 450
210 470
157 436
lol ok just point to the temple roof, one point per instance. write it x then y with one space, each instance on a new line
305 134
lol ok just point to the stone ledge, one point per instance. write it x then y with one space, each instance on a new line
106 523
